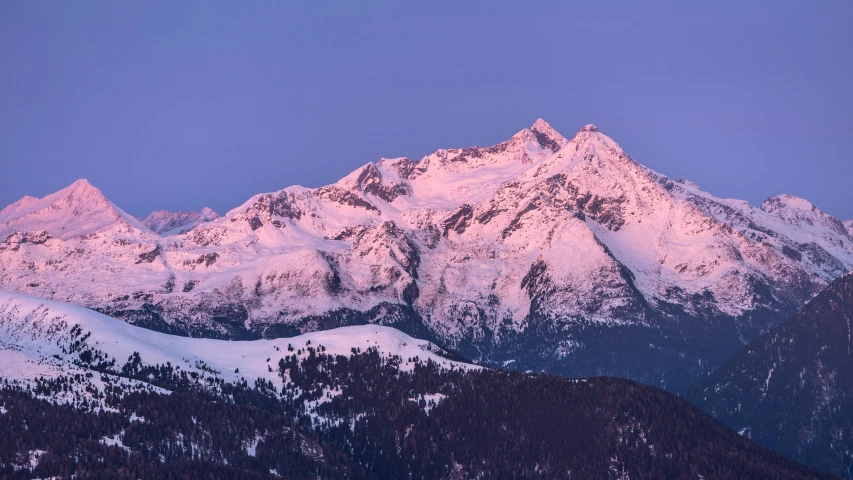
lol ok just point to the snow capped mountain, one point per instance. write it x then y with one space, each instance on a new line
818 242
537 253
76 210
849 225
168 223
42 338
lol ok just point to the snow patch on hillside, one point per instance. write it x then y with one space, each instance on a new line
37 339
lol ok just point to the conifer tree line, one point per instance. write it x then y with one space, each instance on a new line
364 416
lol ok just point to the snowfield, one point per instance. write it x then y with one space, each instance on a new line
36 338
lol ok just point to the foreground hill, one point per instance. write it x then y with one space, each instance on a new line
355 402
792 388
46 339
538 253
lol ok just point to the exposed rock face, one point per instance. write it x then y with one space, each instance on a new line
168 223
537 253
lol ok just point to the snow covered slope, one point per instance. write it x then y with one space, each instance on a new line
76 210
818 242
849 225
42 338
569 247
168 223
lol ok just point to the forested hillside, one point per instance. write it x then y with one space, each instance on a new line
363 416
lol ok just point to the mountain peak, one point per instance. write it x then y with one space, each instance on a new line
787 201
589 135
547 136
77 209
796 202
81 183
542 126
81 189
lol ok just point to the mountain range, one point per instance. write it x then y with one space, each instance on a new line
539 253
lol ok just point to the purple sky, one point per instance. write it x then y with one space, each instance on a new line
179 105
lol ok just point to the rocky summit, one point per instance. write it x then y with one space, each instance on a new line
539 253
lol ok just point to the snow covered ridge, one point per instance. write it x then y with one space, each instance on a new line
79 209
475 247
43 338
168 223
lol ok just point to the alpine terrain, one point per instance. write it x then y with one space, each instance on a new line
168 223
791 389
539 253
87 396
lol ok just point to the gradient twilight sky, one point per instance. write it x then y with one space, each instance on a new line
181 105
